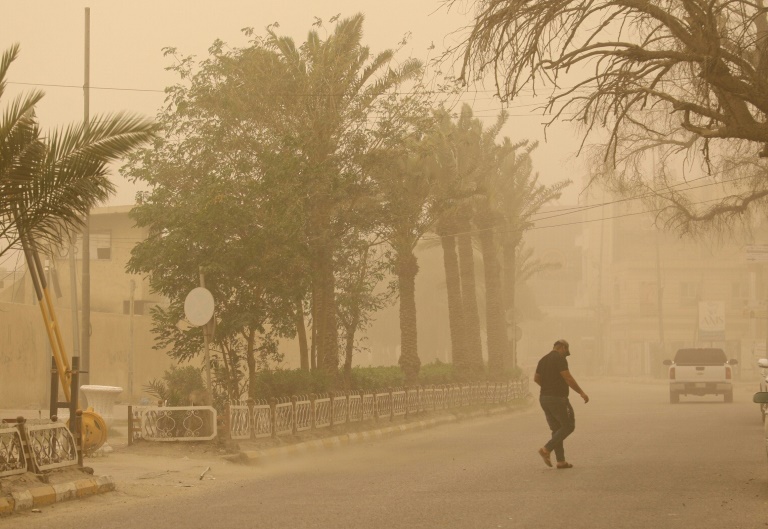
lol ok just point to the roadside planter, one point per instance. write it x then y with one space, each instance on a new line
102 400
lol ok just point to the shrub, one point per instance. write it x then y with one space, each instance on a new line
177 385
436 373
372 378
287 382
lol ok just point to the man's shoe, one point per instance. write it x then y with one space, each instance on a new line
544 453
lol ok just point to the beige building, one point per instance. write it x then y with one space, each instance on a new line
121 340
642 293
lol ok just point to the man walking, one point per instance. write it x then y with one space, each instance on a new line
554 378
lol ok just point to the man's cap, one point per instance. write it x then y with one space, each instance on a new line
565 343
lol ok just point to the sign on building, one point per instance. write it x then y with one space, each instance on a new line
711 321
757 253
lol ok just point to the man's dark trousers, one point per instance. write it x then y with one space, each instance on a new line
561 421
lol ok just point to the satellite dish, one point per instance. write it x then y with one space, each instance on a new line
198 306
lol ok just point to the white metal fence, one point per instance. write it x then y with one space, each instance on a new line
26 447
290 415
286 416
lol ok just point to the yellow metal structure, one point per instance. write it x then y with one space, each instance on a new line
94 429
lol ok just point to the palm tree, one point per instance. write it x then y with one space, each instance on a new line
338 83
469 157
49 182
404 186
520 196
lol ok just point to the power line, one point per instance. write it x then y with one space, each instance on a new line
90 87
579 209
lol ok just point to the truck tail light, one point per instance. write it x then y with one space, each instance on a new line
672 373
728 372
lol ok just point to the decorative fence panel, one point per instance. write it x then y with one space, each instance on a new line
303 416
355 407
13 460
466 393
290 416
177 423
398 403
239 421
339 409
283 418
412 397
261 420
322 412
369 406
383 405
50 446
438 398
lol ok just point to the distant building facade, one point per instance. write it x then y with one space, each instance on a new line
640 293
121 340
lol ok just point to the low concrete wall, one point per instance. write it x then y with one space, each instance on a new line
25 356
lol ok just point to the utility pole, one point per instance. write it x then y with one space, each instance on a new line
85 359
206 341
131 343
659 302
600 342
73 301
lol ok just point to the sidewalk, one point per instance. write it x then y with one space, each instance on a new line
147 468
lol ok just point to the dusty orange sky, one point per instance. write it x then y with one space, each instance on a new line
126 53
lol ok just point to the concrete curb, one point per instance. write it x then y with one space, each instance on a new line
48 494
256 456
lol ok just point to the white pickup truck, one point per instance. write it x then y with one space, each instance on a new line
700 371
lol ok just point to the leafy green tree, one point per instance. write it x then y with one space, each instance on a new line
358 298
314 104
49 182
206 211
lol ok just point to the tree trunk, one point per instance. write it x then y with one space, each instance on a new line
469 299
407 268
510 291
250 356
349 349
301 332
313 345
453 287
229 361
494 302
328 335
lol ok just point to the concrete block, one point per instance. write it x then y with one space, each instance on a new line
86 487
65 491
42 496
105 484
22 500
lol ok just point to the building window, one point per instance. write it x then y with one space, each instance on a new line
689 292
648 292
739 290
140 307
100 245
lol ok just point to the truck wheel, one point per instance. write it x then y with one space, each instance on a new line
674 397
728 397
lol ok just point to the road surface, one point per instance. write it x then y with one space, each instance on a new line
639 462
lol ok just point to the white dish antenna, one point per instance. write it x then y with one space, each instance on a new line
198 306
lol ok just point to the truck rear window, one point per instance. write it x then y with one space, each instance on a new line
700 357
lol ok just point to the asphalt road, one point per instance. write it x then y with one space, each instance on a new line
639 462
